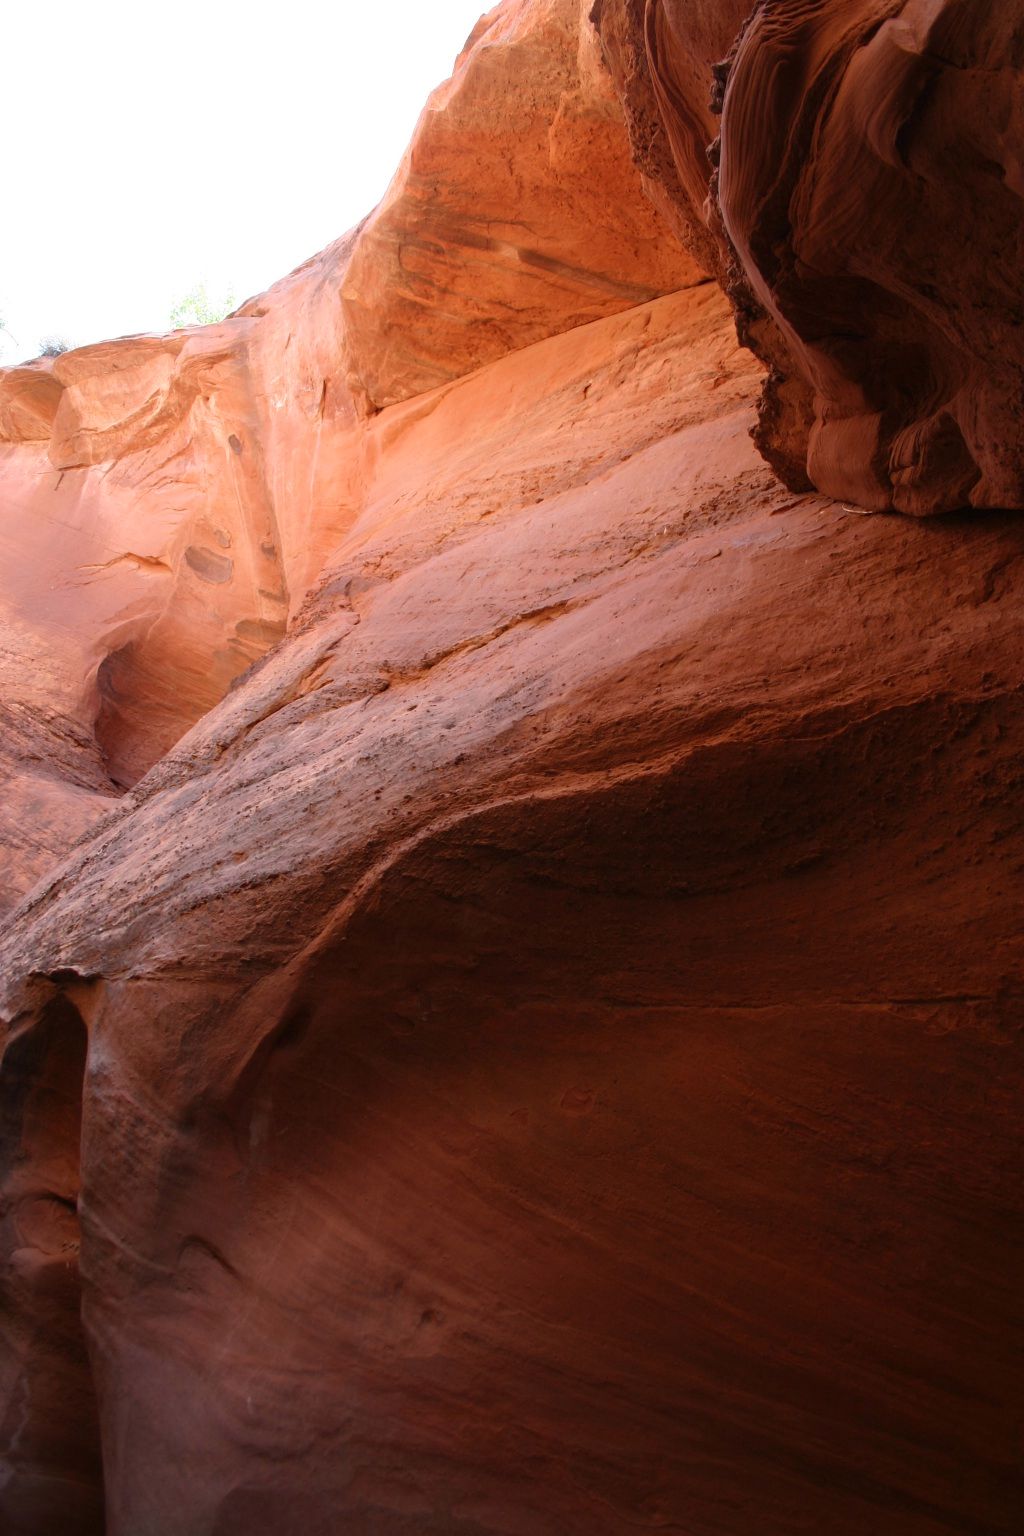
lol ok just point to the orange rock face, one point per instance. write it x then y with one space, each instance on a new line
539 1053
496 230
170 499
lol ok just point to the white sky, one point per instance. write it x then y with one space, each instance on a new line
150 144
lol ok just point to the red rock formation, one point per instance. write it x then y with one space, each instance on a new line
496 231
851 134
142 570
666 62
553 1026
199 480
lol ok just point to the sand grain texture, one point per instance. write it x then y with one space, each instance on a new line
527 1039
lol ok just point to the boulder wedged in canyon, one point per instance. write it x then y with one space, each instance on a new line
553 1023
868 199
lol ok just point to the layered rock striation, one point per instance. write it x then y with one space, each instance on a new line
866 207
169 499
527 1042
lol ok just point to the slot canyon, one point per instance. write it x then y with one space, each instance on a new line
512 826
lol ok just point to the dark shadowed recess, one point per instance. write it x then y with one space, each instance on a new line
49 1435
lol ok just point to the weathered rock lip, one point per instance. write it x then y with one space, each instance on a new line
863 201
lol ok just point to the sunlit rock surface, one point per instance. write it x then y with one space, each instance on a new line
168 500
516 213
528 1042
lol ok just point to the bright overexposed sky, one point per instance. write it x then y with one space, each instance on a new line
151 144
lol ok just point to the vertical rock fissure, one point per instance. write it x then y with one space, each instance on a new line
49 1430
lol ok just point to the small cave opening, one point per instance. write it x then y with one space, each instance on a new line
49 1423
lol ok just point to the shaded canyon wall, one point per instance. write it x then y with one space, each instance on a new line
512 1019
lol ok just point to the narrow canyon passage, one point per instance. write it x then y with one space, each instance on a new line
552 963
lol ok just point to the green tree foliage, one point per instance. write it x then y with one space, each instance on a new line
198 308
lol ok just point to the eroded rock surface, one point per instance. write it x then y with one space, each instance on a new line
553 1024
167 501
515 215
869 197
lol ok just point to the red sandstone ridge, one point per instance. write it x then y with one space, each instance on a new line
527 1042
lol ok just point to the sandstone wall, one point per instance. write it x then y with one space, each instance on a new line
866 213
528 1040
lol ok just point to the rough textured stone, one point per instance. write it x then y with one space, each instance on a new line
516 213
869 196
168 500
540 1054
553 1055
